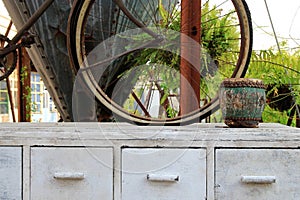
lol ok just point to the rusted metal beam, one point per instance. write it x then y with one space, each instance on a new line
190 71
11 101
24 100
165 103
140 104
30 22
6 33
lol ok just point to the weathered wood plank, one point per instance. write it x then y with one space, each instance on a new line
123 131
10 173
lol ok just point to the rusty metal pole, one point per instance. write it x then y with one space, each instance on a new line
24 100
190 71
11 101
7 79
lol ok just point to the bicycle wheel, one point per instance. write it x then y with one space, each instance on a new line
8 62
142 84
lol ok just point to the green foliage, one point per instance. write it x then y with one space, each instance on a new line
280 71
216 35
170 20
275 116
280 68
172 112
163 66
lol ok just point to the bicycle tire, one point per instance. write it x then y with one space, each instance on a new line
77 22
8 68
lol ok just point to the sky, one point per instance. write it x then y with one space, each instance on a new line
5 20
285 16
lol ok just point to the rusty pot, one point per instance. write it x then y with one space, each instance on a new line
242 102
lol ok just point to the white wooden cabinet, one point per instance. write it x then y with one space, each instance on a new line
257 174
10 173
126 162
71 173
165 174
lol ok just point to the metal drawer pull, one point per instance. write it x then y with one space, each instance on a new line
259 179
69 175
162 178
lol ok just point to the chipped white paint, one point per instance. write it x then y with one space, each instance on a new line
270 174
10 173
71 173
97 161
173 174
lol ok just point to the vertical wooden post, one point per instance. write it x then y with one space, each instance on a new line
190 71
24 85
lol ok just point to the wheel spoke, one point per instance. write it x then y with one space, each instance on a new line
226 42
140 104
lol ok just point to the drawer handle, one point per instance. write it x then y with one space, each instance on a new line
258 179
162 178
69 175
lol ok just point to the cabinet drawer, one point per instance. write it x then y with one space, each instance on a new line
169 174
71 173
10 173
257 174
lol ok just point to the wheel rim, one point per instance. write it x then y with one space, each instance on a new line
238 67
8 62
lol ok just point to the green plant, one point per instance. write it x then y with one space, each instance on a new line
280 71
164 66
